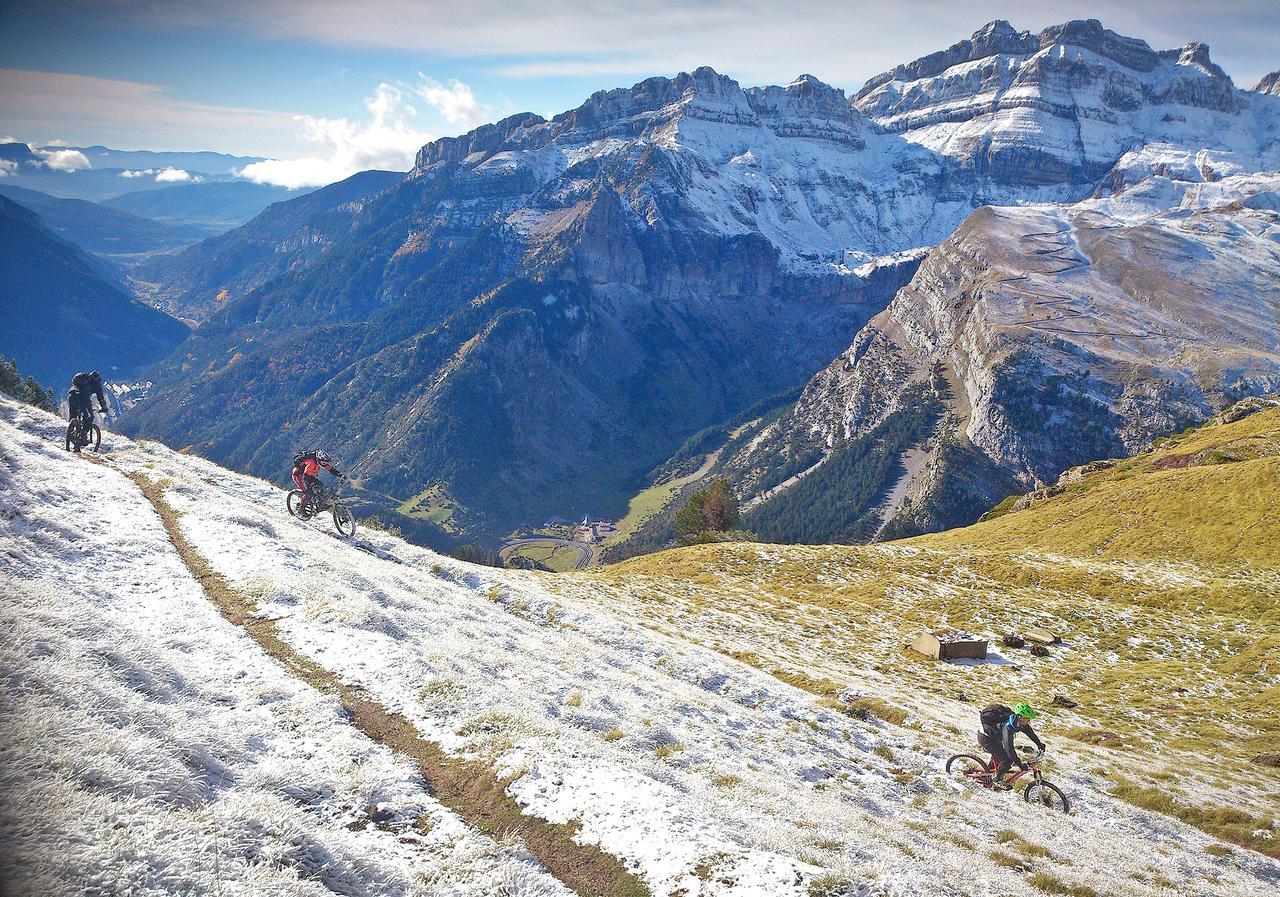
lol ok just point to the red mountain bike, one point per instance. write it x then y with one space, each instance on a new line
969 768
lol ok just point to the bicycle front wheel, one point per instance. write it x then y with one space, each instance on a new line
343 520
1047 795
293 501
94 437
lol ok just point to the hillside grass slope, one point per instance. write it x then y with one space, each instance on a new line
699 773
1161 574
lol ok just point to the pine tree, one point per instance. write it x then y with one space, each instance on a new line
713 509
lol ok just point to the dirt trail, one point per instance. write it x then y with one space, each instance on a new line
468 788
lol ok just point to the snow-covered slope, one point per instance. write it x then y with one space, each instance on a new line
149 747
184 760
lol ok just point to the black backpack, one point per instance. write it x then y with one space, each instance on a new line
993 716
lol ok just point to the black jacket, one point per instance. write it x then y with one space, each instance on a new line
88 384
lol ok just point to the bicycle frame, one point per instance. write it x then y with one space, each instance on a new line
988 774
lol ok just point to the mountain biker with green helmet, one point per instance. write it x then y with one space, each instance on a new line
1000 724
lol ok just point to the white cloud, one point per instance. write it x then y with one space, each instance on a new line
137 172
128 113
755 41
454 101
63 160
7 168
388 140
174 176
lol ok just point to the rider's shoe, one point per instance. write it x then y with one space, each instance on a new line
1002 786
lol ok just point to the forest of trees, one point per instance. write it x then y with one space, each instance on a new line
839 502
24 389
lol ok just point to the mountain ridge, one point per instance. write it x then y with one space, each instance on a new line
666 255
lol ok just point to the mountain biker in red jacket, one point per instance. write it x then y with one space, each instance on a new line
306 473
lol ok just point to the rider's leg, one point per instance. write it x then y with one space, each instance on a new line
311 490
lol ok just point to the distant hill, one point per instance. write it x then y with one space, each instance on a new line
212 207
204 162
222 268
58 315
102 229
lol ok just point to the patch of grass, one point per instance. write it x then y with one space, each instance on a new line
1000 858
831 885
1051 884
574 700
663 751
1227 823
868 707
1015 841
613 735
884 752
725 781
1219 850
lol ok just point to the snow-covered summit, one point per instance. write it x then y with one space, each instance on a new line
1064 105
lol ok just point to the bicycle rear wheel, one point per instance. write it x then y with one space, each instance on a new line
1047 795
967 768
343 520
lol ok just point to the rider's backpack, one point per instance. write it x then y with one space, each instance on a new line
993 716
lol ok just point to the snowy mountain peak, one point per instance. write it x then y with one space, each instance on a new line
1270 84
1066 105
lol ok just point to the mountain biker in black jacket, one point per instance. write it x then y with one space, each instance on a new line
80 396
1000 725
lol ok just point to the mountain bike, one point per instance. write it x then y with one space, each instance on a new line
82 432
324 500
970 768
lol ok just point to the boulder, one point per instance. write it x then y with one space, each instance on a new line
1041 636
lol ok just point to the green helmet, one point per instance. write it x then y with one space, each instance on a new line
1023 709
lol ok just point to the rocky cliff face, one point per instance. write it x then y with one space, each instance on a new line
1270 84
544 310
1053 336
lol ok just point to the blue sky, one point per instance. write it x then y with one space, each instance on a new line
315 79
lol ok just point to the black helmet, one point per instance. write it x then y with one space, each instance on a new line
95 375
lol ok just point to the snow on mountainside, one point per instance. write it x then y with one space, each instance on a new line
185 760
666 256
796 164
1066 105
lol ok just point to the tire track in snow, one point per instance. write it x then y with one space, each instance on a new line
470 789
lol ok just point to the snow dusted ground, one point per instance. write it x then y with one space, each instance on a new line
149 747
152 737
